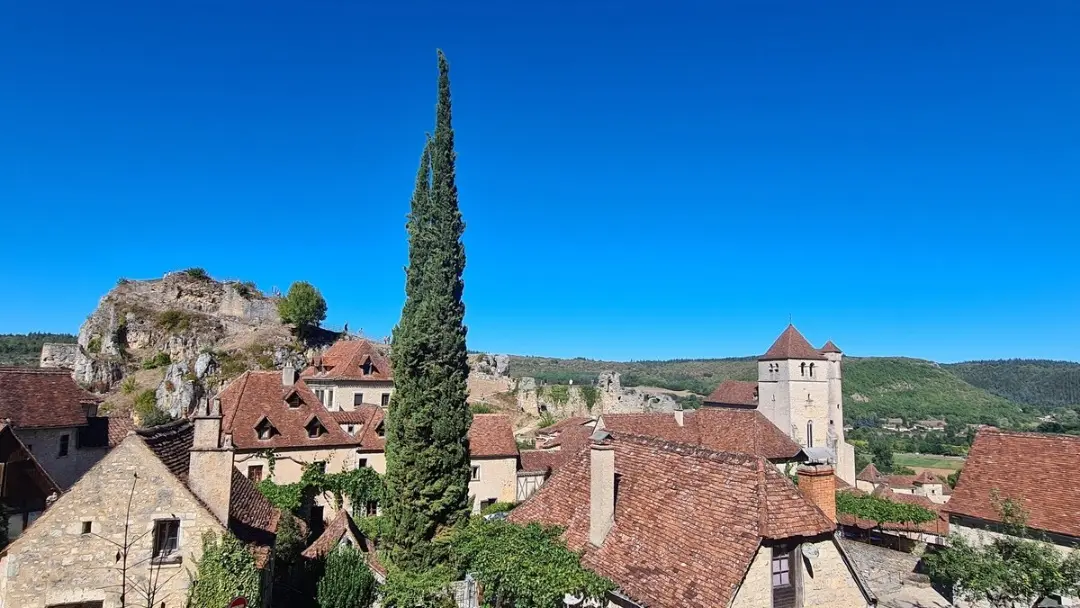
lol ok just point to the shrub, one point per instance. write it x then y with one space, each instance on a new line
546 420
128 386
158 360
94 345
122 281
225 570
149 413
174 320
481 408
289 542
247 289
347 581
302 306
197 273
498 507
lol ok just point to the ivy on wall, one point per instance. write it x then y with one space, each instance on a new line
360 486
226 570
882 511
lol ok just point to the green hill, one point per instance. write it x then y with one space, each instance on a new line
884 387
24 350
1048 384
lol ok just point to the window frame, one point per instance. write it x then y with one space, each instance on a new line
255 468
65 446
474 472
789 591
357 399
385 399
165 526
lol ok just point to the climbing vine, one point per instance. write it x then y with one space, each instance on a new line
226 570
360 486
882 511
560 394
590 394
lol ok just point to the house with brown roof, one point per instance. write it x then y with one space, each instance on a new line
1031 469
53 417
278 413
156 493
682 526
349 374
25 487
925 484
798 389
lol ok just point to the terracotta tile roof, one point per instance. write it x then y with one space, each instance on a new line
791 345
251 516
720 429
830 348
358 416
42 398
563 424
534 461
926 477
345 361
688 521
569 437
119 427
492 435
869 473
734 392
937 527
899 481
256 395
1030 468
332 535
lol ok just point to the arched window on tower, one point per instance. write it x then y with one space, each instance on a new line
811 370
809 433
802 369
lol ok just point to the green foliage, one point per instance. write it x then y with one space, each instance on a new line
953 478
880 510
289 541
590 395
481 408
414 589
1046 384
225 570
360 486
523 566
173 320
287 497
1011 569
373 527
347 581
302 306
883 455
24 350
129 386
689 402
247 289
427 460
197 274
150 414
546 420
93 346
559 394
158 360
497 507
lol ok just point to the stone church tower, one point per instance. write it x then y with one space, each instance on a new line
799 390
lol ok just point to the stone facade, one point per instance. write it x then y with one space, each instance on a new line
58 355
610 398
58 561
342 395
823 581
496 481
65 469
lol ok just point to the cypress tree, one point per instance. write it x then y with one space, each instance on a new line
427 455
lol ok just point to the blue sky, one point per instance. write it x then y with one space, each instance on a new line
639 180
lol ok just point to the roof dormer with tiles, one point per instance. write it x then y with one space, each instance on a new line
351 373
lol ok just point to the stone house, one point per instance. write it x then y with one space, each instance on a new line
55 419
180 483
925 484
1031 469
682 526
800 390
278 413
25 488
349 374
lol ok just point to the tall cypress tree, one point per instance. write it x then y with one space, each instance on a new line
427 455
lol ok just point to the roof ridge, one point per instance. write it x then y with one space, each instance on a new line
34 370
687 449
173 426
763 506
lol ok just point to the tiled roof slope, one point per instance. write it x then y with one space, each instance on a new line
251 516
734 392
1031 468
345 361
42 398
568 438
688 521
534 461
791 345
830 348
869 473
565 423
492 435
720 429
332 535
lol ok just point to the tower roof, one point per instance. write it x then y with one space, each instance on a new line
791 345
830 348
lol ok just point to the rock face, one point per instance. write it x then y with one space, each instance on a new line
58 355
491 365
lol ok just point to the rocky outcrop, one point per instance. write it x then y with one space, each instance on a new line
491 365
58 355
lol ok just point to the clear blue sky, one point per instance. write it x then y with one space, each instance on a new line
639 180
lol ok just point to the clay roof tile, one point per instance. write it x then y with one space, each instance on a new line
791 345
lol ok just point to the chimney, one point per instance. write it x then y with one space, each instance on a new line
678 415
601 492
288 375
210 469
818 483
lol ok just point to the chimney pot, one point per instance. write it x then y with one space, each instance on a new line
601 492
288 375
818 483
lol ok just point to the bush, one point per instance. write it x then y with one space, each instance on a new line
288 542
347 581
94 345
225 570
302 306
546 420
158 360
498 507
129 386
481 408
247 289
197 273
174 320
149 413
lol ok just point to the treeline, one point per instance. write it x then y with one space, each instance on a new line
1042 383
25 349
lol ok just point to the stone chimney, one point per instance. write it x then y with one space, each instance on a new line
678 415
818 483
210 470
601 492
288 375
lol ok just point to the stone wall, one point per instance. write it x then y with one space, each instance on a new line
54 562
65 470
826 582
58 355
498 481
564 401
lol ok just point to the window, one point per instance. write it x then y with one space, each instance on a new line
316 521
255 472
357 399
167 540
350 429
87 527
265 430
293 400
475 474
319 465
811 370
385 399
315 429
367 367
64 441
362 463
371 508
802 369
783 578
329 399
486 503
809 433
320 394
380 430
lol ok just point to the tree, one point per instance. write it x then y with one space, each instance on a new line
347 581
1015 568
427 455
302 306
225 570
883 455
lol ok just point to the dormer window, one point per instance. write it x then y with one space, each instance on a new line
315 429
293 400
265 430
380 430
367 367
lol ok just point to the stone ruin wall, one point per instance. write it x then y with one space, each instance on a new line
611 398
58 355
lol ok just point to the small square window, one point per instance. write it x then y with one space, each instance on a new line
371 508
350 429
255 473
362 463
319 465
358 399
475 474
87 527
385 399
167 540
